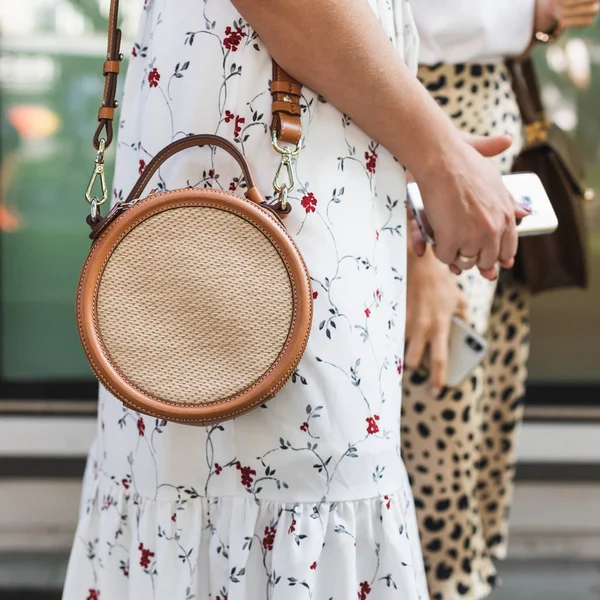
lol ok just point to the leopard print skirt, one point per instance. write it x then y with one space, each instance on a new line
460 449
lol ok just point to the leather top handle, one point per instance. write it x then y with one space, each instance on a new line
286 92
191 141
253 194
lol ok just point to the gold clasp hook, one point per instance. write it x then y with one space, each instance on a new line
288 155
97 173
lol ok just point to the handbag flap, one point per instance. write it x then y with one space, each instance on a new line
560 144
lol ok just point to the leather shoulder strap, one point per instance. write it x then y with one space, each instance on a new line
286 92
527 90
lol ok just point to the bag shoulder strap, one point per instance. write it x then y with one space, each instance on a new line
286 125
527 90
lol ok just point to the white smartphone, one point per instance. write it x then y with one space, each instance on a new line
467 350
526 188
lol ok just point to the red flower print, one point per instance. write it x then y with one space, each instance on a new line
377 236
232 186
372 426
146 556
269 538
174 517
399 366
141 426
309 202
304 427
313 567
239 121
367 312
388 502
211 174
134 51
371 158
233 37
153 77
142 166
93 595
378 295
125 483
315 295
292 526
218 469
219 598
247 474
364 591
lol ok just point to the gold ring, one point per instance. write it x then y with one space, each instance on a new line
466 260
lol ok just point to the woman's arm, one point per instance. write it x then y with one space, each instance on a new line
339 49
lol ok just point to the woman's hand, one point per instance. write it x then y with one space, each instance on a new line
565 14
433 298
471 213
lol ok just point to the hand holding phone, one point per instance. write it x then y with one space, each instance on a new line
526 188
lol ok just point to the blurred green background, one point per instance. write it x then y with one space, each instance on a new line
52 52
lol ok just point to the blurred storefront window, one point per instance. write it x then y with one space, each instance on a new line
52 52
51 86
566 325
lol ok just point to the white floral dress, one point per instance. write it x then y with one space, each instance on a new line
307 497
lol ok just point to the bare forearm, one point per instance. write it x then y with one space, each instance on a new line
339 49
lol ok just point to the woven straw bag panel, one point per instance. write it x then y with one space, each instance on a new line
194 305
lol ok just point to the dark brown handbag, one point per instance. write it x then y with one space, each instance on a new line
558 260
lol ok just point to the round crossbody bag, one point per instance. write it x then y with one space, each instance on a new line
171 299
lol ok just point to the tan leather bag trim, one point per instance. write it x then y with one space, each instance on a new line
286 87
289 108
264 388
106 112
111 66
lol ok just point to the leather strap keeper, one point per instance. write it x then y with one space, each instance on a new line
106 112
111 66
286 87
290 108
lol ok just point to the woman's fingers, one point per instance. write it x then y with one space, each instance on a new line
489 255
579 13
416 345
580 22
419 238
439 348
573 3
580 9
507 264
489 146
491 274
445 250
461 309
418 243
508 247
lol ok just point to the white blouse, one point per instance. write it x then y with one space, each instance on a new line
455 31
